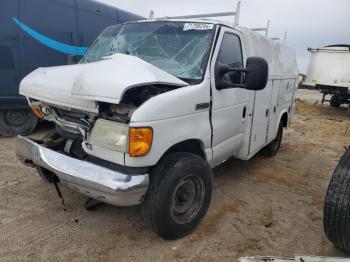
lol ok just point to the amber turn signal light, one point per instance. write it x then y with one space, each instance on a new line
37 113
140 141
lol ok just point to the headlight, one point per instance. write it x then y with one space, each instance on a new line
140 141
109 135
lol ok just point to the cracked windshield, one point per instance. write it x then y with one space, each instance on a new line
181 49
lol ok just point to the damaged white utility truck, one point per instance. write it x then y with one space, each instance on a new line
152 107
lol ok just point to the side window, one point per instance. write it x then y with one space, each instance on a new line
230 54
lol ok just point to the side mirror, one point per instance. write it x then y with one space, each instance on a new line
222 81
255 75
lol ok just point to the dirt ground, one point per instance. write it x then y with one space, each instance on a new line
266 206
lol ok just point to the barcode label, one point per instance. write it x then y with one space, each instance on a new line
197 26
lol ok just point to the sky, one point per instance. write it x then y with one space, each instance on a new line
308 23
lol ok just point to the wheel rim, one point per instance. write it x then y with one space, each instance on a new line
187 199
16 118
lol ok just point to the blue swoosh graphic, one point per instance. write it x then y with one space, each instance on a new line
58 46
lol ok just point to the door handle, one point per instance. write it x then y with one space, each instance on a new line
244 112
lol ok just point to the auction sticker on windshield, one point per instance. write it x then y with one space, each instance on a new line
198 26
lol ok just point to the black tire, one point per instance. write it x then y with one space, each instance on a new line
272 149
18 121
179 195
334 102
336 219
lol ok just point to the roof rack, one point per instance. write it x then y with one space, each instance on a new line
280 38
236 14
265 29
211 15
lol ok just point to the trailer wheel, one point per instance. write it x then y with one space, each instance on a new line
15 122
336 219
179 195
334 101
272 149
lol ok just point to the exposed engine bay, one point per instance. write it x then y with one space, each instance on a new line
132 99
76 124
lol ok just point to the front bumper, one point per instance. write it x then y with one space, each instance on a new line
95 181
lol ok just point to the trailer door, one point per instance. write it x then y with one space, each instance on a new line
53 20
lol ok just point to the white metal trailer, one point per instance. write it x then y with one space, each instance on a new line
329 71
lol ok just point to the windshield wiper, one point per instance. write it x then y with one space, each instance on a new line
191 81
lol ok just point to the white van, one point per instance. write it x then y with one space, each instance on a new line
153 106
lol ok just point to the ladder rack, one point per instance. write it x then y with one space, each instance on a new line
265 29
210 15
236 14
267 32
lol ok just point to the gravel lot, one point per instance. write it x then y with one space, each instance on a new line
260 207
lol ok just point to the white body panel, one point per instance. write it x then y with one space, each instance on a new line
260 120
329 66
80 86
263 120
227 112
174 118
237 123
54 85
107 80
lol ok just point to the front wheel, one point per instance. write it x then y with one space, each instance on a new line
17 121
179 195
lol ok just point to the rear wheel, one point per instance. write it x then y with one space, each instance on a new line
17 121
336 218
179 195
272 149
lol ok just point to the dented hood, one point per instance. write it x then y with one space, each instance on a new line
81 86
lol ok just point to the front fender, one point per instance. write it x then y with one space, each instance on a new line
169 132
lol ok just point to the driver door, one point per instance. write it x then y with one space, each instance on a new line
229 106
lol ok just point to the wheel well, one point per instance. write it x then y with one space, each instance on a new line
284 119
193 146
